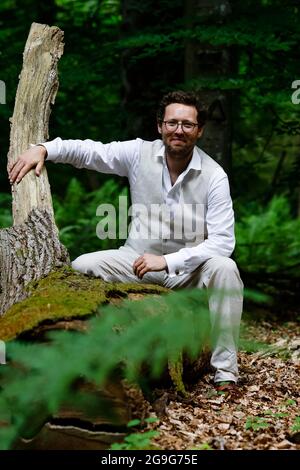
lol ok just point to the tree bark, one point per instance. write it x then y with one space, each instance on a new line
142 87
203 61
37 90
31 249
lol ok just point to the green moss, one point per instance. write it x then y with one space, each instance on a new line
175 369
64 294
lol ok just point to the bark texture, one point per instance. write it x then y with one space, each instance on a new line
31 249
28 252
207 62
36 92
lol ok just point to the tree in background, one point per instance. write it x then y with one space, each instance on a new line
121 56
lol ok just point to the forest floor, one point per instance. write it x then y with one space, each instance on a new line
265 416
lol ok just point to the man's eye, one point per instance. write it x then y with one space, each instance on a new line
188 125
172 123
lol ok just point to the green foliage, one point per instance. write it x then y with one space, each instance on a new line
5 210
275 415
137 441
75 215
296 425
204 446
119 60
138 333
290 402
256 423
269 240
252 346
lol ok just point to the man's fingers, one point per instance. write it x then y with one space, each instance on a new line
11 167
138 268
15 171
33 157
22 173
142 272
39 168
137 263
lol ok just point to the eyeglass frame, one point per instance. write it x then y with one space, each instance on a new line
180 123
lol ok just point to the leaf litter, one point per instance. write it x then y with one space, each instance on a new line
264 417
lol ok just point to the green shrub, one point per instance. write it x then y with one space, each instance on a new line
269 241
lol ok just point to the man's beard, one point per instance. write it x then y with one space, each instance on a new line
179 152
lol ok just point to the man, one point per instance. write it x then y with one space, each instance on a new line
172 173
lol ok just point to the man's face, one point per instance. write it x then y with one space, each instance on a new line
178 142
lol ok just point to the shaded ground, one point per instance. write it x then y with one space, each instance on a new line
266 416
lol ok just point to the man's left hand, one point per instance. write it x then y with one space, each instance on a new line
147 262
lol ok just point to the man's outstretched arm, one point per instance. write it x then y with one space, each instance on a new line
120 158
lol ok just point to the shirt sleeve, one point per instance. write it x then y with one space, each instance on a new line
220 228
120 158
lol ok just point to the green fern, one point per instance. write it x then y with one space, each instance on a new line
75 215
137 333
269 240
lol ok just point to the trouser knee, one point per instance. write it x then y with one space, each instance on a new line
83 265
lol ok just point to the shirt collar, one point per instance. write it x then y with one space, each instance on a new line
195 163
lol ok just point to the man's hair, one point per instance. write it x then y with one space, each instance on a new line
182 97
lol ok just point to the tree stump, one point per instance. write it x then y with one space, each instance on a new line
31 248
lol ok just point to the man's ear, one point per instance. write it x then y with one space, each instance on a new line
159 128
200 132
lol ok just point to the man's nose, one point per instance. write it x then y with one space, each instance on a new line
179 129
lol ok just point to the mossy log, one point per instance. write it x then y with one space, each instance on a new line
64 300
67 300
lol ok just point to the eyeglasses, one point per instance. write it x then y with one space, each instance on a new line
187 126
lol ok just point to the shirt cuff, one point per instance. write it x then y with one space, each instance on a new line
34 145
175 262
51 148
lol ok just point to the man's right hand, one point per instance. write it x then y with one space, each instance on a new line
31 158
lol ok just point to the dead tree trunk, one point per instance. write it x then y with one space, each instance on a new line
31 248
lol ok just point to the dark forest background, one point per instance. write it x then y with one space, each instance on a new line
122 56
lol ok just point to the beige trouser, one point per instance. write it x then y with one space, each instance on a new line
218 273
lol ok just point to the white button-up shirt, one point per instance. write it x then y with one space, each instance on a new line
123 158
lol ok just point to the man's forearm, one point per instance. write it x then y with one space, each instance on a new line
186 260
